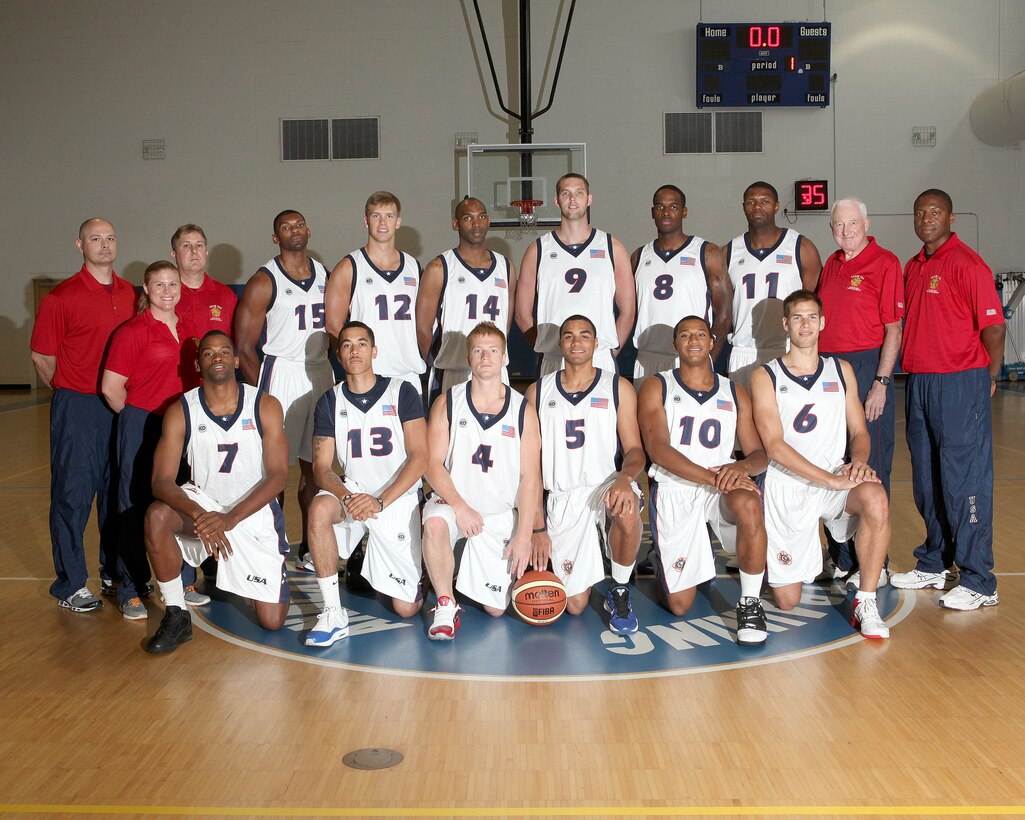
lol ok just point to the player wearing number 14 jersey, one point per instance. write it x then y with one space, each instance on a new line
766 264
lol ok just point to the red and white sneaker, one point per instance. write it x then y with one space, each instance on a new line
866 618
446 620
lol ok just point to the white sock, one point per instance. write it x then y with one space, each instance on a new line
621 572
173 592
329 591
865 596
751 584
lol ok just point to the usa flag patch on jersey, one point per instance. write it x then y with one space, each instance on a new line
500 283
409 280
722 404
509 431
597 253
688 260
601 404
388 410
784 259
247 424
830 387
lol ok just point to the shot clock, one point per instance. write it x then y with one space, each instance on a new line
811 195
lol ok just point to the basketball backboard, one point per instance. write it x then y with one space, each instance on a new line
499 175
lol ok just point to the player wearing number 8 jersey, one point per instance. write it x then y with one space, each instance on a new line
377 285
805 407
766 264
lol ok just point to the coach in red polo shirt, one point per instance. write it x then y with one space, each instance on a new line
862 292
69 339
953 347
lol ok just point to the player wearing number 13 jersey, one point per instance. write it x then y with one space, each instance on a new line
766 264
807 412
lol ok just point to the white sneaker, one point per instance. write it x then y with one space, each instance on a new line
446 620
304 563
855 580
960 597
332 626
916 579
866 618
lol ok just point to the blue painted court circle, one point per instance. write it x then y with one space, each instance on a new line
579 647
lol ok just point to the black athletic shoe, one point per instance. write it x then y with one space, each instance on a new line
175 628
751 629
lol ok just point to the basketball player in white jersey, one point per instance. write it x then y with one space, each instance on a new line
460 288
689 419
377 285
376 427
588 417
676 275
483 467
575 270
765 264
285 300
234 440
806 406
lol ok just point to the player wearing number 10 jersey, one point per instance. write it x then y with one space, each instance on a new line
766 264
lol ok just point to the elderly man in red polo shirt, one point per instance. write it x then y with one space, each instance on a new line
70 336
862 292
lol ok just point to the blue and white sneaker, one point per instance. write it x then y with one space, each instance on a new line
622 620
332 626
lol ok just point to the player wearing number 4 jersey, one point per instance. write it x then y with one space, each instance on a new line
234 440
483 467
377 285
766 264
805 406
690 418
575 270
588 418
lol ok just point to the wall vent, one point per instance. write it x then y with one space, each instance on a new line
313 139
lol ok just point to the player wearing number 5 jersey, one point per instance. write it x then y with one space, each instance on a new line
807 411
575 270
233 438
766 264
377 285
483 467
676 275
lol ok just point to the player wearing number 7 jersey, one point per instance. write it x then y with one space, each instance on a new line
377 285
766 264
805 408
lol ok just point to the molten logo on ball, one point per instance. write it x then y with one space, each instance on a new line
539 598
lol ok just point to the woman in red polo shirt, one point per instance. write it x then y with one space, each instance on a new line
141 379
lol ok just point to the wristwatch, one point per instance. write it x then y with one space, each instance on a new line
883 380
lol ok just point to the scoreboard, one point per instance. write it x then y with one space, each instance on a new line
762 65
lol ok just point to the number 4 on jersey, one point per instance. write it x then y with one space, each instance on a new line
482 458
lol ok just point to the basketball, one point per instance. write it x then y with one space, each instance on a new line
539 598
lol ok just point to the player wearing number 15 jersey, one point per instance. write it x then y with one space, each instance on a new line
805 407
377 285
766 264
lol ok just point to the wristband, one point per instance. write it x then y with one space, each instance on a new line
381 502
540 530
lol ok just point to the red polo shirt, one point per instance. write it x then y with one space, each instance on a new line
74 324
859 296
144 350
211 306
951 297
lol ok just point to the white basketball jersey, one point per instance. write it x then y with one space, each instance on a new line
469 296
702 425
295 318
575 279
484 450
225 453
761 281
579 435
386 302
369 440
669 286
813 412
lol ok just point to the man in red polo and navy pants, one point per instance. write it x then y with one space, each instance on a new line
953 347
69 339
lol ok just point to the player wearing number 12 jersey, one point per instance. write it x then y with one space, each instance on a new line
377 285
766 264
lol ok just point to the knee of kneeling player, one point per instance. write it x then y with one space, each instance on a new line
272 618
494 612
578 603
406 609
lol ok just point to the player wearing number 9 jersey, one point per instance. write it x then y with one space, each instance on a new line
805 407
377 285
766 264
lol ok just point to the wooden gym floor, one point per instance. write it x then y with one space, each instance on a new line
929 723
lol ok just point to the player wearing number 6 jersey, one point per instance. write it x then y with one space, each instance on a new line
483 467
591 455
676 275
575 270
377 285
234 440
805 407
284 299
766 264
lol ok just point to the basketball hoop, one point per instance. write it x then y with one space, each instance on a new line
528 219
